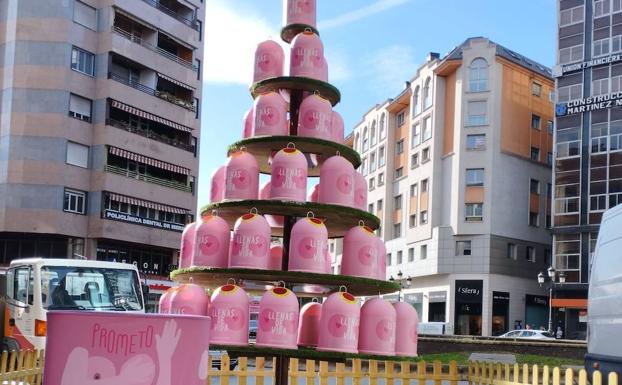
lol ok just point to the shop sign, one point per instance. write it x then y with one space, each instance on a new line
588 104
500 297
391 298
582 316
437 296
413 298
469 291
591 63
536 300
124 217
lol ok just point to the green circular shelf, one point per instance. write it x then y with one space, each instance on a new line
339 219
308 353
300 83
262 148
303 284
289 32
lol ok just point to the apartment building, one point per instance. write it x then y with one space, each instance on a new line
458 167
99 129
588 137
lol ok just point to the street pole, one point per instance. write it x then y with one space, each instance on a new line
551 307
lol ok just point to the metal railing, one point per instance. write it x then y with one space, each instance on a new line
190 23
147 178
149 134
160 94
140 41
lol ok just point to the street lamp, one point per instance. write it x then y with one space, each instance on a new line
404 284
552 274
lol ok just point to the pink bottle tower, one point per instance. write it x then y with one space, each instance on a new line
360 191
289 175
308 246
406 329
242 176
278 319
337 181
230 314
339 324
165 300
186 251
189 299
217 189
382 259
315 117
360 252
273 220
377 331
337 127
250 246
269 58
276 257
313 197
211 242
248 124
270 115
309 324
299 12
307 56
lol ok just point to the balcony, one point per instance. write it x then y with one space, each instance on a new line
148 178
175 10
149 133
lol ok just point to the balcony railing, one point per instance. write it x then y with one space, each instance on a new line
154 48
149 134
160 94
156 4
147 178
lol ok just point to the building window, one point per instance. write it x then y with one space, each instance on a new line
415 135
372 184
400 119
571 54
363 167
427 128
389 259
74 201
571 16
397 230
476 113
425 155
511 251
399 146
423 252
381 160
600 87
568 93
412 220
476 142
423 217
85 15
616 43
478 75
397 202
424 185
370 208
427 93
381 179
530 253
536 89
599 136
601 47
373 133
382 126
379 205
601 8
463 247
411 254
372 162
475 177
414 160
79 107
534 219
568 143
82 61
535 154
535 121
549 158
534 186
399 172
77 154
399 257
365 139
197 63
474 212
549 126
413 190
416 101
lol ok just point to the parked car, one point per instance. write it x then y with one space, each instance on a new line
252 329
528 334
217 361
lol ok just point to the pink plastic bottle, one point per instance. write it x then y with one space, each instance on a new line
382 259
307 56
360 191
230 314
269 58
316 114
314 194
278 319
309 324
189 299
299 12
360 253
165 300
377 332
339 324
276 257
289 175
248 124
270 115
186 250
250 246
308 245
407 322
242 176
211 242
337 182
337 127
217 190
273 220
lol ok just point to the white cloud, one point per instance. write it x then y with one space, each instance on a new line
389 67
360 13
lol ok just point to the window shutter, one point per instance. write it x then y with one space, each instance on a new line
85 15
80 105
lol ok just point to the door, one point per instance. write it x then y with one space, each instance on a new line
20 290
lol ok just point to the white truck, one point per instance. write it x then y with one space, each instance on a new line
604 306
35 285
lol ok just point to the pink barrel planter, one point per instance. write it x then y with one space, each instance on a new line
309 324
299 12
212 237
248 124
337 182
270 115
189 299
307 56
407 323
377 332
242 176
229 310
269 58
313 196
86 347
308 246
278 319
289 175
361 253
382 259
276 257
315 117
186 251
164 305
337 127
217 188
360 191
250 246
273 220
339 324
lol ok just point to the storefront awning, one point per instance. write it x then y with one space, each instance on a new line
175 81
570 303
149 161
148 204
147 115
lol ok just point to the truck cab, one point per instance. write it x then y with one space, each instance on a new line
35 285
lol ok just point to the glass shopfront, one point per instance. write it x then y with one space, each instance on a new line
416 300
536 311
500 312
468 310
437 301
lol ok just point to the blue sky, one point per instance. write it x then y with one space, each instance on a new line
372 47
